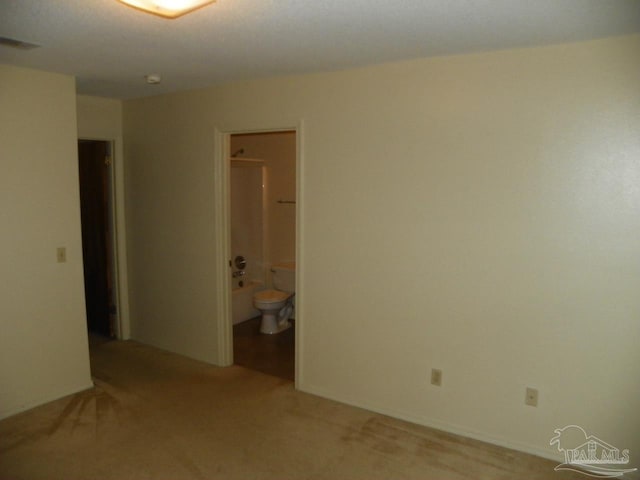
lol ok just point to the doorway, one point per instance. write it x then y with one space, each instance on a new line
262 200
98 246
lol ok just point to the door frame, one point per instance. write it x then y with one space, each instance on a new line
222 140
118 239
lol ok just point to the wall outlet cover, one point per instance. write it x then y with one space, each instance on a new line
436 377
531 397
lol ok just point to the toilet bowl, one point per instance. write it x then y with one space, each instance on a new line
276 308
276 305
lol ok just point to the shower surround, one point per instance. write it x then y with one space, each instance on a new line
248 229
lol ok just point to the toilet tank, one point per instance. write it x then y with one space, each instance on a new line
284 276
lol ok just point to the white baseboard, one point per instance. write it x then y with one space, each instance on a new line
41 401
438 425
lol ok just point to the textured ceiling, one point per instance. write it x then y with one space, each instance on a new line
110 47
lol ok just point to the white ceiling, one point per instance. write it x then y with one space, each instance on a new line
111 47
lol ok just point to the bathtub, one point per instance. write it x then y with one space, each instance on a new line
242 302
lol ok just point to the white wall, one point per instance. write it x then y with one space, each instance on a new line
101 119
43 339
479 214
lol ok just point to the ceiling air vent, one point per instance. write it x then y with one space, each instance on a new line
13 43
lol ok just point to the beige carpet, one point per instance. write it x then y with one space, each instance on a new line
155 415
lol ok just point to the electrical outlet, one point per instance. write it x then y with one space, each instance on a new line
61 254
436 377
531 397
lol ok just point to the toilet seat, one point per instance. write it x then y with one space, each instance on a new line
276 304
271 296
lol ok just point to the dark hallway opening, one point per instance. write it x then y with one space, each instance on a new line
97 249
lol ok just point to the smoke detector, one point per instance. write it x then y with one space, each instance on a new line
153 78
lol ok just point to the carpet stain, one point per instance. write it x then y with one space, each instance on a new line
436 451
21 437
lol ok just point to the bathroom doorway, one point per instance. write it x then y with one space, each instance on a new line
262 206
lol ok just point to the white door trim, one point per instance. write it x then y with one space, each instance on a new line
223 238
222 246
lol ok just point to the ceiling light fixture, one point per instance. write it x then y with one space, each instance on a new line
167 8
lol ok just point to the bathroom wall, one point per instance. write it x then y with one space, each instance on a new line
43 333
479 214
278 150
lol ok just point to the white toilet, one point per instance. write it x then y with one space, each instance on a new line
276 305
